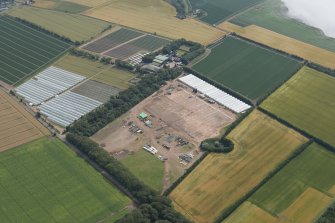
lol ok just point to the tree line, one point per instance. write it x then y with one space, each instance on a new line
196 49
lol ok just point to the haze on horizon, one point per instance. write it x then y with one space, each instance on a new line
319 14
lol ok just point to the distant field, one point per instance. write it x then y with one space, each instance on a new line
248 69
219 10
62 6
261 144
146 167
298 193
112 40
307 102
155 16
90 3
277 41
44 181
24 50
270 15
17 126
75 27
102 73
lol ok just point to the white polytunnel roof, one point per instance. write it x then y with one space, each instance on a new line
67 108
48 84
214 93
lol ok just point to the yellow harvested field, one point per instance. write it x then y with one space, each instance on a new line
17 126
281 42
307 207
250 213
261 144
155 16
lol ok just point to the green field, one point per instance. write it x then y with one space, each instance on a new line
307 102
150 43
313 168
270 16
247 69
102 73
146 167
24 50
75 27
44 181
219 10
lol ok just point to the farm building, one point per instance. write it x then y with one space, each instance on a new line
214 93
66 108
47 84
160 59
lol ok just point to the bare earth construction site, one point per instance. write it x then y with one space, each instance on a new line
180 121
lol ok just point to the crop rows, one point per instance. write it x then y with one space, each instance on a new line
23 50
246 68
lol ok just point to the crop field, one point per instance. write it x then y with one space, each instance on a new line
112 40
44 181
96 90
247 69
219 10
150 43
147 43
96 71
24 50
123 51
62 6
261 144
299 192
146 167
89 3
270 15
75 27
155 16
17 126
277 41
308 101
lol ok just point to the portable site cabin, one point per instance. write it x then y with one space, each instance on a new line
142 116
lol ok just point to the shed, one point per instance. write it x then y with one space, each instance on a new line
142 116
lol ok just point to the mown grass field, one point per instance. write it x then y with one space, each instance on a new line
62 6
17 126
307 102
75 27
261 144
287 44
270 15
245 68
155 16
219 10
44 181
298 193
24 50
146 167
102 73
